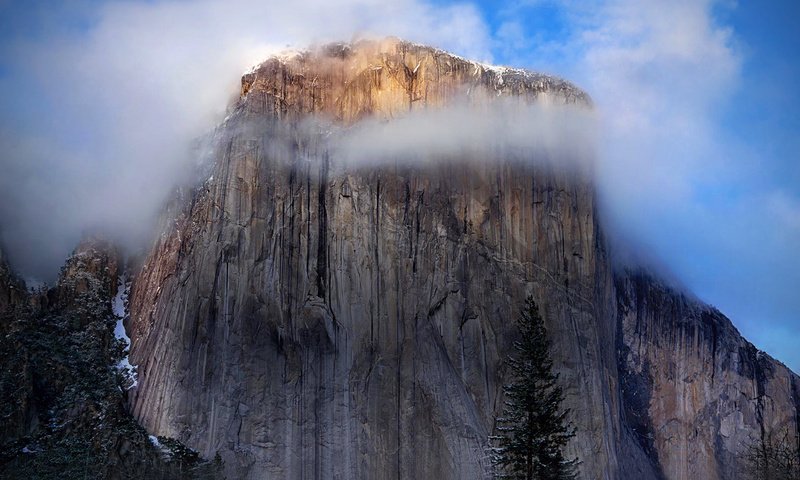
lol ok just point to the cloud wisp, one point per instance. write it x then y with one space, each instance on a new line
97 124
538 132
674 179
678 187
98 121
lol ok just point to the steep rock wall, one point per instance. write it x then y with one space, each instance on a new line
307 320
696 393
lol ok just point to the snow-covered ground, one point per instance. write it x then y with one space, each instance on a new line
118 306
154 441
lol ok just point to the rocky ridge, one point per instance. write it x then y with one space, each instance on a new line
62 405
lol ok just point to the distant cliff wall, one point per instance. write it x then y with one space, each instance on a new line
696 393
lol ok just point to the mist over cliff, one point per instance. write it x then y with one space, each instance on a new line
330 291
495 129
352 314
102 147
103 103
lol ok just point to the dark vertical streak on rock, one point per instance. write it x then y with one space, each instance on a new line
408 222
289 245
635 387
376 252
224 187
416 239
212 301
308 219
499 207
317 421
322 217
759 377
464 219
485 364
399 353
282 99
714 335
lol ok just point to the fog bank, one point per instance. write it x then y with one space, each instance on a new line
504 129
102 103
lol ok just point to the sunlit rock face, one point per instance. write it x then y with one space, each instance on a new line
306 318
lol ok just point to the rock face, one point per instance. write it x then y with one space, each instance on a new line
306 319
695 392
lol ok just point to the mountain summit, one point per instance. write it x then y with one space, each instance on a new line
303 317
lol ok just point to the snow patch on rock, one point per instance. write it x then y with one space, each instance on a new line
119 307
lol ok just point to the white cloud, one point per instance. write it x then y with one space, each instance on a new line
662 74
658 72
480 130
119 104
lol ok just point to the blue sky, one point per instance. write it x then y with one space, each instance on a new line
723 212
698 103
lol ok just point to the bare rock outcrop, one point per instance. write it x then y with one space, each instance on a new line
308 319
696 393
93 267
62 397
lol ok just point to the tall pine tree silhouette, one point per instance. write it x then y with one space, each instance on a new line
533 429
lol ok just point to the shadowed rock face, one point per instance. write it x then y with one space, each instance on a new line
306 319
695 392
62 403
27 393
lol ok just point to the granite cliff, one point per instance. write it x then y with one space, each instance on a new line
306 318
695 392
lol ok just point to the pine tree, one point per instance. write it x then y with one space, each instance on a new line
533 429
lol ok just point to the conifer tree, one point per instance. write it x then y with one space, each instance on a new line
533 429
